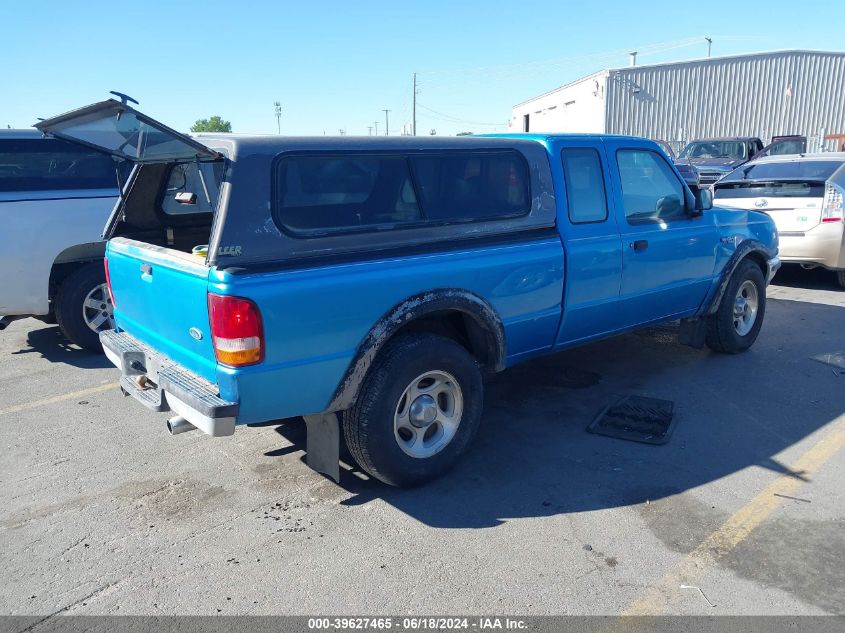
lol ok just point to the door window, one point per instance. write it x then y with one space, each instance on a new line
585 191
53 165
651 192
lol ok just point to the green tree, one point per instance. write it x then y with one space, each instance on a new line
214 124
464 134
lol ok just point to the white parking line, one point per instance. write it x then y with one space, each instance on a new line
64 396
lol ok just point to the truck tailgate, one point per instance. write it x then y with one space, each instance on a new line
160 298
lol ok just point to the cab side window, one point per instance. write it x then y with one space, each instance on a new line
651 192
585 190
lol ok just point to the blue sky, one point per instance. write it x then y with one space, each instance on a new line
336 65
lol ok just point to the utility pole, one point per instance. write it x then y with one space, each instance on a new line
709 44
278 107
386 123
414 116
370 128
376 124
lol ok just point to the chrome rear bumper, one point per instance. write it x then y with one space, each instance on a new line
162 385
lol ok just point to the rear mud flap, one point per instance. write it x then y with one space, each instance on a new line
693 332
322 444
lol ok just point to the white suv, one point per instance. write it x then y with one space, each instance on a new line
55 198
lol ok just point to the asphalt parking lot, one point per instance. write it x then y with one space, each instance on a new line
741 512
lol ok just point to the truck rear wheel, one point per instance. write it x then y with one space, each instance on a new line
417 411
735 325
840 278
83 307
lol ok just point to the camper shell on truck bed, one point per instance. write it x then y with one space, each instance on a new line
246 236
380 279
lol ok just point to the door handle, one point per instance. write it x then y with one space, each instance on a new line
146 272
639 245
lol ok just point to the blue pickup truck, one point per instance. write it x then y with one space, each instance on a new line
369 285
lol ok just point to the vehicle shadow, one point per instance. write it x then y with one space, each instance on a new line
793 276
532 456
49 341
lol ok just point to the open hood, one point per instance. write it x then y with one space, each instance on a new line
123 132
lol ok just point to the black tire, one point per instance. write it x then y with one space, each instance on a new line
368 426
722 336
840 278
68 305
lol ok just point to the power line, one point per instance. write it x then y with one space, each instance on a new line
496 72
449 118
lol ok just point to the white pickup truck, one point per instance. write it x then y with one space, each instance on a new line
55 198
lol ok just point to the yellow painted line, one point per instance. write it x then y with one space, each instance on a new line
737 528
65 396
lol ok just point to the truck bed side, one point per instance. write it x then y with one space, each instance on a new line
315 318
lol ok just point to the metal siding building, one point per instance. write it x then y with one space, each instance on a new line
765 95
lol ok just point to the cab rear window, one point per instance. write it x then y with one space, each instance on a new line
184 193
346 192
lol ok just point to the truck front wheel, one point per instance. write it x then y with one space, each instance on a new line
735 325
417 411
83 306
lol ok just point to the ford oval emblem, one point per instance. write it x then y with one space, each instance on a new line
195 333
761 203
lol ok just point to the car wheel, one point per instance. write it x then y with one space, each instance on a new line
418 409
840 278
84 308
735 325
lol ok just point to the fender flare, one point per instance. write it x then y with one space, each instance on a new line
743 250
409 310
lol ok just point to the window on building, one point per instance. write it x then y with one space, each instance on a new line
585 191
651 192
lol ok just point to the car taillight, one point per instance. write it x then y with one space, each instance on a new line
236 330
832 206
108 280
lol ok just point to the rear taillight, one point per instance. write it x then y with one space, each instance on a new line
832 206
236 330
108 280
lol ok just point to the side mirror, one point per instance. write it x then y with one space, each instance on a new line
703 200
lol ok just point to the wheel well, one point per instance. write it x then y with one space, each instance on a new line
459 326
758 258
60 272
455 313
72 259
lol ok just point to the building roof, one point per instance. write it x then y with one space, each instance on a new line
697 60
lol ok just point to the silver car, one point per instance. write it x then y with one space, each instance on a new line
803 193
